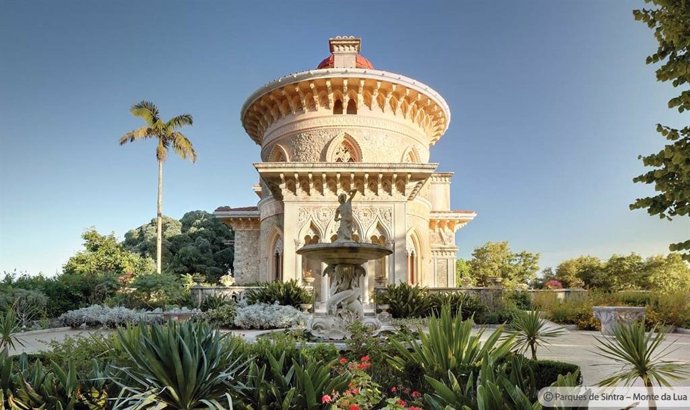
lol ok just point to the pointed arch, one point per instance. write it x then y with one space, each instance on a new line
414 248
275 255
343 148
410 156
278 154
310 233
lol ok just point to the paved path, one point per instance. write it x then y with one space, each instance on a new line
576 347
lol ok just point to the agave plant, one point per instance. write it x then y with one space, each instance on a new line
288 293
641 356
184 365
531 331
450 347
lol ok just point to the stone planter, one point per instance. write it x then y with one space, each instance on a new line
612 316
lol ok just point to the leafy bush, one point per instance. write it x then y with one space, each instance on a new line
154 290
405 301
263 316
521 300
546 372
449 347
103 316
468 305
288 293
214 302
222 316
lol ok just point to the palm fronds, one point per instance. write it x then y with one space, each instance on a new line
531 331
641 355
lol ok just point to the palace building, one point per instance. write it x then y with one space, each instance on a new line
340 127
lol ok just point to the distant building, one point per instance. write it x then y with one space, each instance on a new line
339 127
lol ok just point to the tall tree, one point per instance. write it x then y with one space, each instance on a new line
496 260
670 174
168 136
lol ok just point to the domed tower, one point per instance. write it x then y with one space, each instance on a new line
346 126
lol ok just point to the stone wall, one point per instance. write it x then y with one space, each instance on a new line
246 256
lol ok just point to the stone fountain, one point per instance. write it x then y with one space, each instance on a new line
344 259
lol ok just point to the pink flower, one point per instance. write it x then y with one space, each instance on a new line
414 408
326 399
415 394
394 389
401 402
342 360
365 358
354 407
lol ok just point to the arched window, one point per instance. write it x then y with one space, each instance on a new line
343 148
352 107
338 107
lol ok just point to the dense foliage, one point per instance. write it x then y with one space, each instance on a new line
496 260
670 172
197 243
288 293
191 365
406 301
624 272
662 309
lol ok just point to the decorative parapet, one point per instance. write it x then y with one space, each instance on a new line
327 180
247 218
374 90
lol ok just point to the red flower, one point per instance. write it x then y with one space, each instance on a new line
326 399
354 391
343 360
415 394
354 407
401 402
394 389
414 408
365 358
364 365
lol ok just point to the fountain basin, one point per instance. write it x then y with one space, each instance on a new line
344 252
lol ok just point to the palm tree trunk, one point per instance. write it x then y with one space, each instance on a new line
651 403
159 217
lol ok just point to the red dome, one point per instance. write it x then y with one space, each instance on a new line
361 62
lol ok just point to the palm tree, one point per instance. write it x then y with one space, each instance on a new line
531 331
167 135
640 355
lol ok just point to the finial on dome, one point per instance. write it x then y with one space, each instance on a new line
345 50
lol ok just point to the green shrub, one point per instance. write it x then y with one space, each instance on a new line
668 309
222 316
546 372
156 290
288 293
521 300
467 305
214 302
405 301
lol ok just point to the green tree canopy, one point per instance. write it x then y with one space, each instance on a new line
103 254
197 243
578 272
670 173
495 259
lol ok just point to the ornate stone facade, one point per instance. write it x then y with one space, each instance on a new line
347 126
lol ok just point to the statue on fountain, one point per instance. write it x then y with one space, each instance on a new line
344 259
344 215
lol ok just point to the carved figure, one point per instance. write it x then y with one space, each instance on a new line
344 215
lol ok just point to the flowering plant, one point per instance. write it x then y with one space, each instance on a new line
362 392
226 280
553 284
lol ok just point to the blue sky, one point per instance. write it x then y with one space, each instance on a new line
551 105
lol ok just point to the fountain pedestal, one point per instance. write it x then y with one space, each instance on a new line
344 260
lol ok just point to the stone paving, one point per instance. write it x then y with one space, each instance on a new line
575 346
